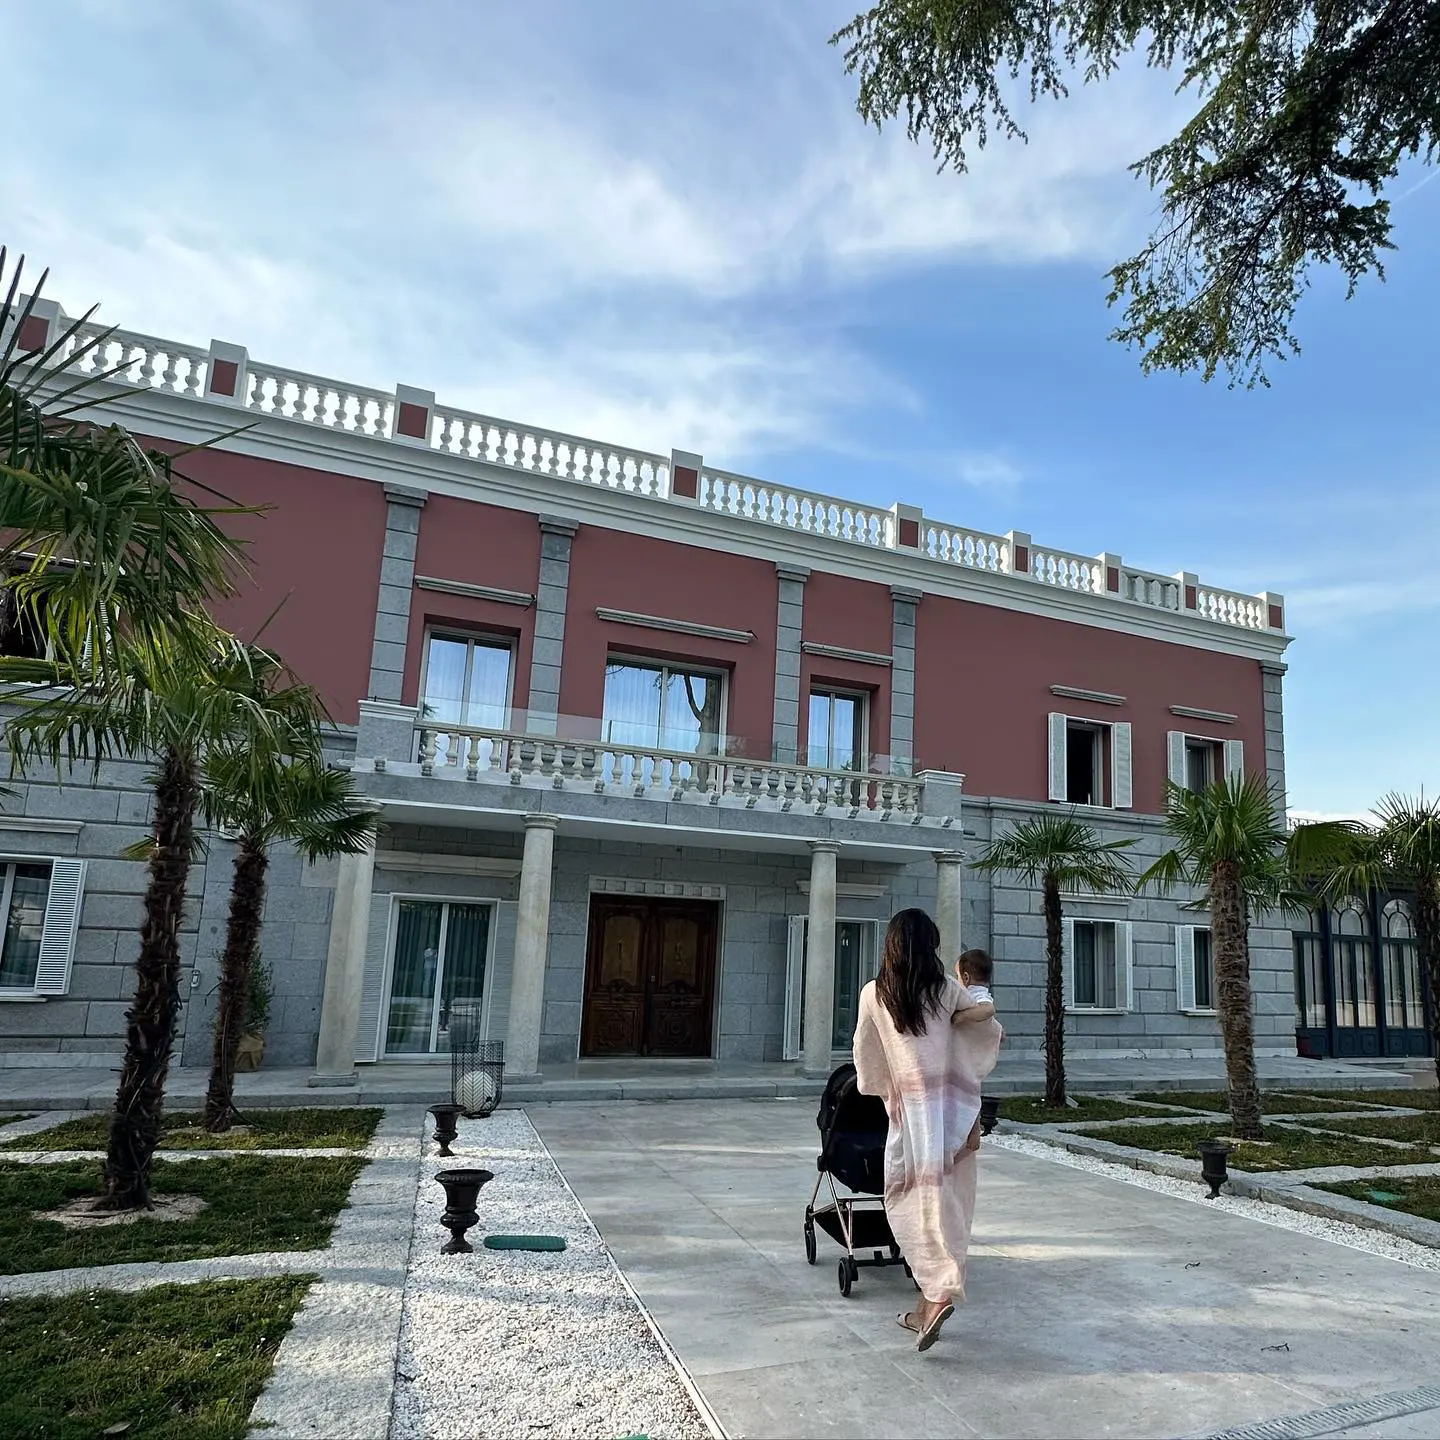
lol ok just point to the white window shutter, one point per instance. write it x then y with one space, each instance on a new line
1234 759
1124 966
379 941
1122 790
1067 930
1185 966
62 921
795 987
1058 788
1175 757
501 969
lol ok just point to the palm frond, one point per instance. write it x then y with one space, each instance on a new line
1063 849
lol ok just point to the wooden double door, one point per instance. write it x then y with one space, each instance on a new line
649 977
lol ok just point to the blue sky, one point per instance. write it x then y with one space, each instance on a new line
665 225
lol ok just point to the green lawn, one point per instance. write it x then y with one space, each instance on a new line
1420 1196
1032 1110
255 1204
1424 1129
265 1130
177 1362
7 1119
1287 1150
1420 1098
1273 1102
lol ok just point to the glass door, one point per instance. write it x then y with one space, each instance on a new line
437 970
857 962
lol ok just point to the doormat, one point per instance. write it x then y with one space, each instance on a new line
524 1242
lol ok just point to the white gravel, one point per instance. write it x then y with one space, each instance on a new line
1373 1242
527 1344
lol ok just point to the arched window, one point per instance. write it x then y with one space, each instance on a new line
1310 972
1404 996
1352 947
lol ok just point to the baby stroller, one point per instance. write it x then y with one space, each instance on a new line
853 1128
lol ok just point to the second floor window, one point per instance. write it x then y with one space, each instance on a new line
467 681
836 737
1089 762
663 707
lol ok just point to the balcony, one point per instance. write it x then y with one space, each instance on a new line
566 756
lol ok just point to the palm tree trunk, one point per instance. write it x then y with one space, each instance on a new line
150 1022
1229 930
1427 935
242 936
1054 994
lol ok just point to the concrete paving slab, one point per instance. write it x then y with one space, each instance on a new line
1095 1307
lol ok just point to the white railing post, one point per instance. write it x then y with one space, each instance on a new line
1274 604
1189 584
685 468
1111 570
1019 542
227 373
907 527
413 412
42 325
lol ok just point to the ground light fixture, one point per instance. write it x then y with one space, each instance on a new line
1213 1154
461 1189
446 1114
989 1113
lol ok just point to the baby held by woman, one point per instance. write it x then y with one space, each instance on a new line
974 970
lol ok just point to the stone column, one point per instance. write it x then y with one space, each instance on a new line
552 595
1272 679
949 894
345 970
789 703
902 678
820 959
397 581
532 939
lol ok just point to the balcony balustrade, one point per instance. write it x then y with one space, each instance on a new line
500 756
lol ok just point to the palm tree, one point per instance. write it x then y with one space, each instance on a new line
1230 842
1399 851
174 699
297 799
1058 852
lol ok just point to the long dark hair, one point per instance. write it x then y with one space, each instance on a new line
911 978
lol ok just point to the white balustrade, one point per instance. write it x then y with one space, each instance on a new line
1229 607
971 548
643 771
145 361
792 509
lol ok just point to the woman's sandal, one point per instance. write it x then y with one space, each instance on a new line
931 1333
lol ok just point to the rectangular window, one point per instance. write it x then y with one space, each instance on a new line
1084 763
1204 971
837 731
437 974
1201 765
652 706
1094 965
1090 762
466 682
26 891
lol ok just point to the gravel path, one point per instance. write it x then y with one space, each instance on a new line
1373 1242
503 1344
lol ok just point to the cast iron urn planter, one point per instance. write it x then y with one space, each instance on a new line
989 1113
446 1115
461 1188
1213 1154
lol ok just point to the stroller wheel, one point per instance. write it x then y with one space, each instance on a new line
846 1280
809 1240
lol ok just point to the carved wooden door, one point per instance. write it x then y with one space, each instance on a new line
650 978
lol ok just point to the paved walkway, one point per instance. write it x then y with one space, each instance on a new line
1096 1308
1020 1071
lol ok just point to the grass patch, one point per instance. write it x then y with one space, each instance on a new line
1420 1196
1420 1098
1422 1129
1273 1102
1286 1150
1032 1110
8 1119
267 1130
254 1204
177 1362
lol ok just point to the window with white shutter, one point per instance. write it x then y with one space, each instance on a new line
1175 757
1058 724
1089 763
1194 970
1121 788
40 904
1234 759
1099 966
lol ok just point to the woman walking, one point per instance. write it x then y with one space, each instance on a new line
917 1048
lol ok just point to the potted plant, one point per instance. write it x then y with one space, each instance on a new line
257 1019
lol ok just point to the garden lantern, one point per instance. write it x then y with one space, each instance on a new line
445 1115
461 1188
1213 1154
989 1113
